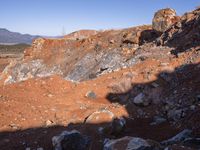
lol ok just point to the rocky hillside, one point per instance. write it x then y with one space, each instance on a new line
135 88
83 59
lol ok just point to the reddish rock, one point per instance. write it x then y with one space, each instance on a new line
164 18
82 34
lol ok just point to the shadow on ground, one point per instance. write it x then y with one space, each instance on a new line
181 84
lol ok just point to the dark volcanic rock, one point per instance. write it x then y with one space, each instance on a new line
72 140
130 143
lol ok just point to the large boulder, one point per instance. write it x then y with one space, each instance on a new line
71 140
164 18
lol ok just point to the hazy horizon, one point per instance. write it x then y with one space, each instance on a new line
49 17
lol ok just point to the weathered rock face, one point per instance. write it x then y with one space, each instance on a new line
34 68
163 19
82 55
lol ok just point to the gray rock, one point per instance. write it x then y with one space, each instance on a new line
99 116
186 133
192 107
91 95
71 140
129 143
158 120
155 85
141 100
95 64
175 114
26 70
116 127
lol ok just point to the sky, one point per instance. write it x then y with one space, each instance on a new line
55 17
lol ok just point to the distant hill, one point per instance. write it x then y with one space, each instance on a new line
8 37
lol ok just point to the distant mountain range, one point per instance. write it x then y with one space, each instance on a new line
8 37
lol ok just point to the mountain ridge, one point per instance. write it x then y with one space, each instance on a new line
9 37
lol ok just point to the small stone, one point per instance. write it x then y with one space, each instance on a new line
192 107
112 41
28 148
91 95
164 64
49 123
140 100
118 125
40 148
175 114
158 120
155 85
100 116
50 95
13 126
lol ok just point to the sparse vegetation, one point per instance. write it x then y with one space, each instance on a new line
18 48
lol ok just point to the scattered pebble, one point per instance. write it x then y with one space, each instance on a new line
91 95
49 123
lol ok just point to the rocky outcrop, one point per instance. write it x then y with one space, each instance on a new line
184 34
163 19
89 56
82 34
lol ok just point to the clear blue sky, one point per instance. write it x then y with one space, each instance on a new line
48 17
